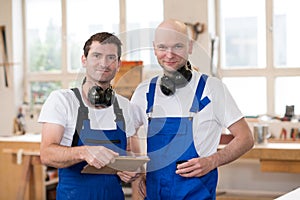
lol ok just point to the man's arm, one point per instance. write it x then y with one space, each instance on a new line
55 155
240 144
138 185
137 179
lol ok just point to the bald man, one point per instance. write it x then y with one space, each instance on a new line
184 112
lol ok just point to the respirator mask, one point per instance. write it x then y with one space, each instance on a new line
100 97
178 79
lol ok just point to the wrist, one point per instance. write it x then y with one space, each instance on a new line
213 159
81 152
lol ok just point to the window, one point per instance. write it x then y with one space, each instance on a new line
56 30
43 47
43 36
286 33
243 33
253 88
258 54
140 25
84 18
286 93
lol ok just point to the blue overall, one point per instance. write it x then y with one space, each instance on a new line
170 141
75 185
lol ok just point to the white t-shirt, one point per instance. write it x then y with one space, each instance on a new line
61 107
208 124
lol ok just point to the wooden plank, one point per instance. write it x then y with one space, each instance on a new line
38 179
275 151
245 195
128 78
275 157
24 178
13 171
30 152
280 166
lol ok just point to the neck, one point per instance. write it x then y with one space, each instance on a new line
103 84
181 70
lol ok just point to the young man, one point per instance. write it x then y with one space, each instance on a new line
184 112
88 125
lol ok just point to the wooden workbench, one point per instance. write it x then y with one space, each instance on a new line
273 157
26 179
276 157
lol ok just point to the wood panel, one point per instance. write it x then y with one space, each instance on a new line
276 157
280 166
12 174
241 196
128 78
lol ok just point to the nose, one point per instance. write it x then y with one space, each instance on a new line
169 53
104 62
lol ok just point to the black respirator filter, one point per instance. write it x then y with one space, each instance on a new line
97 96
179 79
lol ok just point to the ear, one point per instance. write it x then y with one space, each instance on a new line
119 65
83 61
154 48
190 49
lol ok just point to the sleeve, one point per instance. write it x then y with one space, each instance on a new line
54 109
139 117
130 128
139 105
128 113
227 112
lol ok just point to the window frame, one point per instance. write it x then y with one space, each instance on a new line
270 72
64 76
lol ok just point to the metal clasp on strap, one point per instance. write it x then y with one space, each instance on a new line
191 116
149 115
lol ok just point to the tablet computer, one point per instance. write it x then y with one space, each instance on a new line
122 163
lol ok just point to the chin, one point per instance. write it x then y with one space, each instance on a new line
169 68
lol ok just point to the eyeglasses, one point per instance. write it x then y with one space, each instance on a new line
176 48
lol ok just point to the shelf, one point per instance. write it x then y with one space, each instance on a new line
51 182
246 195
284 141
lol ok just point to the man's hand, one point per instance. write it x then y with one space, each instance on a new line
195 167
99 156
128 177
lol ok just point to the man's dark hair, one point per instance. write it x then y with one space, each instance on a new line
103 38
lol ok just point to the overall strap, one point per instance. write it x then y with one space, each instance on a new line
83 112
119 113
83 115
150 94
198 103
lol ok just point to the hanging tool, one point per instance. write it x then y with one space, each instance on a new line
4 53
